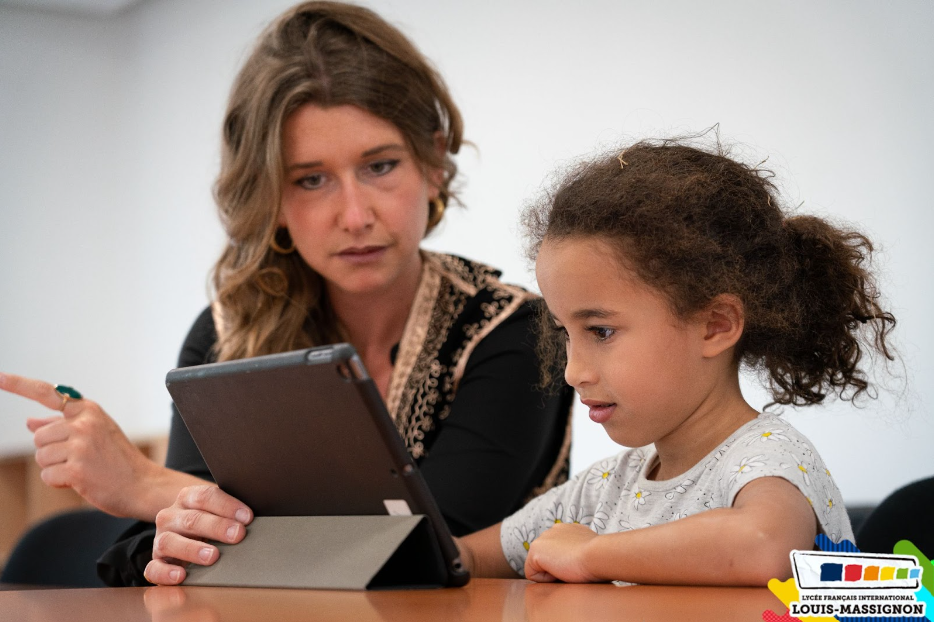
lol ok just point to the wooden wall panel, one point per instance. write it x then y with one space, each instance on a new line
26 500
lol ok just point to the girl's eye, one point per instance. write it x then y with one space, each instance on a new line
381 167
311 182
601 333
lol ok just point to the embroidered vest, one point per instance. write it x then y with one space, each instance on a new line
458 303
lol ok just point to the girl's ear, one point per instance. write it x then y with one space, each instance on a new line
724 320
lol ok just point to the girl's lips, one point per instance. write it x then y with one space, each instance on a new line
601 413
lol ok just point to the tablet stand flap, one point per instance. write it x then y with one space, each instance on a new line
328 552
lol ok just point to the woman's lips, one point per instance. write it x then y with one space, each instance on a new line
600 412
362 254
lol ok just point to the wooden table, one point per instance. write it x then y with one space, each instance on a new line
482 599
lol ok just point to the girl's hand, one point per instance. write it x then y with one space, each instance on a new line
559 555
199 513
84 449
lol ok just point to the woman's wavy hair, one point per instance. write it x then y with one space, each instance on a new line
695 223
328 54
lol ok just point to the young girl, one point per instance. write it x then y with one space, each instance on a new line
664 269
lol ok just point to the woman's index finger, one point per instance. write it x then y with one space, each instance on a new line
32 389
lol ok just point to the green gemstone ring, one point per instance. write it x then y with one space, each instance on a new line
67 393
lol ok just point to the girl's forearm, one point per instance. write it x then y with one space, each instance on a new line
707 549
482 553
747 544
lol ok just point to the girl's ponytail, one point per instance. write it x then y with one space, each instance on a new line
833 315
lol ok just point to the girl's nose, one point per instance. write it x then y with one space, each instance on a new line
577 372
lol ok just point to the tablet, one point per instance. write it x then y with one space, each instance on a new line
306 433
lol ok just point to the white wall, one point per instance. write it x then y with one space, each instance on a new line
108 147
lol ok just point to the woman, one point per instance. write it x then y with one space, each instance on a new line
337 147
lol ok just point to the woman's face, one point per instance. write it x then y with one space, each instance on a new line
354 198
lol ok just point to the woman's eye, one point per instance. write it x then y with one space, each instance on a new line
381 167
602 333
311 182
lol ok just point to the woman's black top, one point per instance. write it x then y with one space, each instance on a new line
485 438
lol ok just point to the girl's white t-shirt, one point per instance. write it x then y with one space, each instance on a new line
614 495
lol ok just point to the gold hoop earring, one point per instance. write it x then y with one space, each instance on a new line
282 250
436 208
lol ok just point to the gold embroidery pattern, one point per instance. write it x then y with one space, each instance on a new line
458 304
421 397
425 380
413 336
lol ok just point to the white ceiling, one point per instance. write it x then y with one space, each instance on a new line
85 7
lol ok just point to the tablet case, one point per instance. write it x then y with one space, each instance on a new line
329 552
304 439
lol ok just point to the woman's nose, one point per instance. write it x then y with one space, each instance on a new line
356 213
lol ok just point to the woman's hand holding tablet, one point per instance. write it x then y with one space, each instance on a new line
203 512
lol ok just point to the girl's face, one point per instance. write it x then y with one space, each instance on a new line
354 198
635 365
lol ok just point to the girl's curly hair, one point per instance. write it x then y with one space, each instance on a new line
695 224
